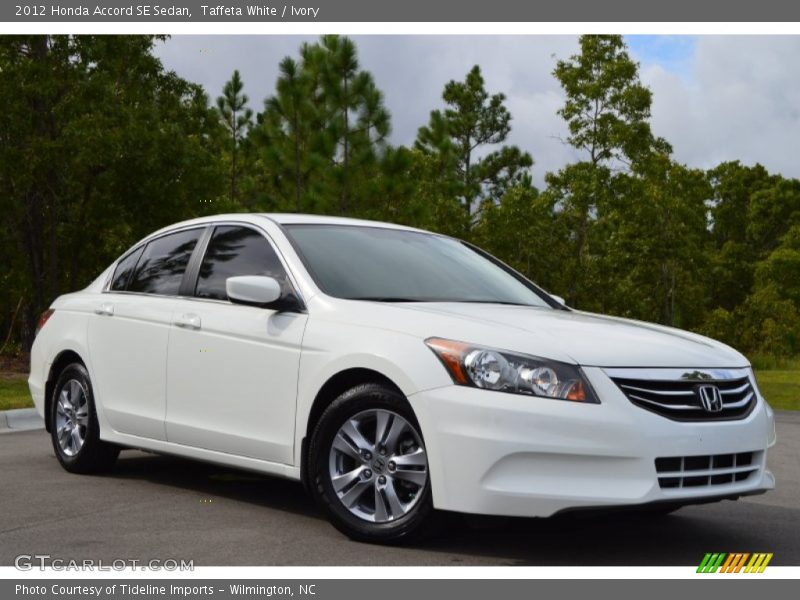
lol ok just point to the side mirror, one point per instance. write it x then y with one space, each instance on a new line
255 290
558 299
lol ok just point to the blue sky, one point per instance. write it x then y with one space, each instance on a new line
673 53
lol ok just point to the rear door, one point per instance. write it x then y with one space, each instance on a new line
129 331
232 369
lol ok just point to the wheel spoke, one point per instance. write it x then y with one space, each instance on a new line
340 482
417 458
61 406
395 506
350 430
76 438
345 446
74 393
82 414
62 432
418 478
381 513
397 428
354 493
382 421
412 467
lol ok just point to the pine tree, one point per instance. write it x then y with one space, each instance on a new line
459 136
236 117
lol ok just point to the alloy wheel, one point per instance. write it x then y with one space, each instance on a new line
378 465
72 417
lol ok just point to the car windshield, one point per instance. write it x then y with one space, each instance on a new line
393 265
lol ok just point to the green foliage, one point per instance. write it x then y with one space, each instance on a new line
320 142
607 110
98 146
236 117
456 137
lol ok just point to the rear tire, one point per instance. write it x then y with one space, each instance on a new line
75 431
368 467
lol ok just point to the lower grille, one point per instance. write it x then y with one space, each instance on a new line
706 471
682 400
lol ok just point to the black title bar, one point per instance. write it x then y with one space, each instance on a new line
401 10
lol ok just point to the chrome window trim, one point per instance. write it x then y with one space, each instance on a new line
210 224
678 374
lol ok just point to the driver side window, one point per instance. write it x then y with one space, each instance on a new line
233 251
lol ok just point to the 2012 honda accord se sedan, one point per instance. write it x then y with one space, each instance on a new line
393 371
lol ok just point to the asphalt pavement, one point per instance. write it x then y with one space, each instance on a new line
156 507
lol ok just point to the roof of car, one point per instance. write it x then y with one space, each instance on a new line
282 219
305 219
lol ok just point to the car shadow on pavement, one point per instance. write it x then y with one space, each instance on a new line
630 539
212 480
580 538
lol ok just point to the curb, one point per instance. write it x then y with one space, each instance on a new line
20 419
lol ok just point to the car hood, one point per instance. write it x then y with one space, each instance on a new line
585 338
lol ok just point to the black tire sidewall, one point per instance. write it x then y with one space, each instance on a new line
358 399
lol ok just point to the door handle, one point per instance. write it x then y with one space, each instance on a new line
106 308
188 321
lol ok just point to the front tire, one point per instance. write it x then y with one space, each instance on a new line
368 466
74 429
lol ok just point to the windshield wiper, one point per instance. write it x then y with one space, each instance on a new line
454 300
505 302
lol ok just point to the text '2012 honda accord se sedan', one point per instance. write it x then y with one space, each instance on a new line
393 371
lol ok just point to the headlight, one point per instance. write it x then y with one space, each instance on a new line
502 371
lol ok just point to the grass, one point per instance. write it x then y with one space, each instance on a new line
14 392
780 386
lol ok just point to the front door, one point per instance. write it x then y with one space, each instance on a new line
232 369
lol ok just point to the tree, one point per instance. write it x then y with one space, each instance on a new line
322 136
524 231
654 258
236 117
458 138
285 135
607 111
358 120
750 211
95 137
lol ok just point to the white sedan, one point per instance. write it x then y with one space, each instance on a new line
394 372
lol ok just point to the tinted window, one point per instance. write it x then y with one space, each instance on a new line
124 270
236 251
163 263
371 263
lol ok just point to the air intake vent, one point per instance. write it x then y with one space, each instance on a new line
704 471
686 400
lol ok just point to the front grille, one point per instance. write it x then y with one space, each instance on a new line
680 399
703 471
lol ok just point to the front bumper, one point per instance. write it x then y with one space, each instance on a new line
505 454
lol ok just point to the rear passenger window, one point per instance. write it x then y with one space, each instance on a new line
163 263
124 270
236 251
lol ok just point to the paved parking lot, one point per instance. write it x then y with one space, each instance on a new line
154 507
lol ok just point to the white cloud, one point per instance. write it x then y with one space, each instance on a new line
741 101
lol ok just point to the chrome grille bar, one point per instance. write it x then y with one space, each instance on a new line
675 393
